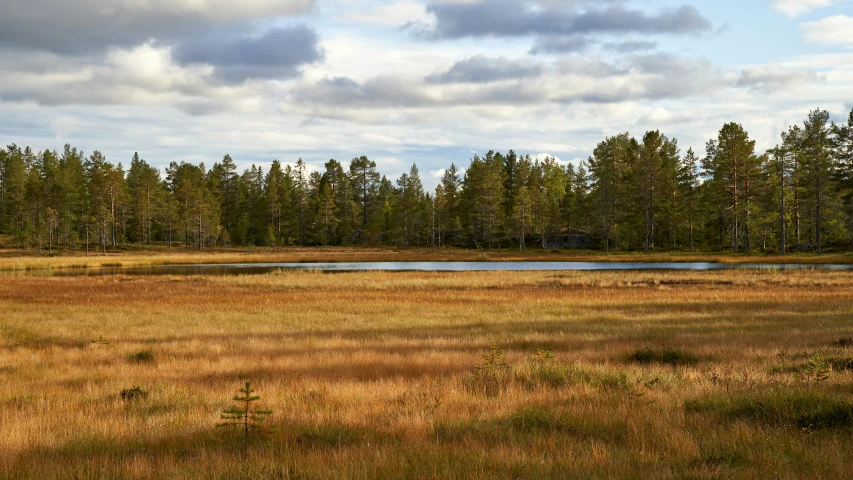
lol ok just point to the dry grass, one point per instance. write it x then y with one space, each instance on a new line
371 375
15 259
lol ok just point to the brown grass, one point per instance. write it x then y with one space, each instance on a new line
371 375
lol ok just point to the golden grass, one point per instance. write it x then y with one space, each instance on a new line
371 375
15 259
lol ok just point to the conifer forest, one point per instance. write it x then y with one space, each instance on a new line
632 194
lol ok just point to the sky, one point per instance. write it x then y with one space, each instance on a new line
430 82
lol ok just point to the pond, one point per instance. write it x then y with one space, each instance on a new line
263 268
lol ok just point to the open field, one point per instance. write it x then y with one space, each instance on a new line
740 374
14 259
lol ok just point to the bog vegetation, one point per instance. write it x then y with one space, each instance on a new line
630 195
741 374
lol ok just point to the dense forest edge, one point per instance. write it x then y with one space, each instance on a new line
631 195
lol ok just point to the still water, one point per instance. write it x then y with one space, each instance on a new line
262 268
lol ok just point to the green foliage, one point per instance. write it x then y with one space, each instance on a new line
491 376
244 415
817 369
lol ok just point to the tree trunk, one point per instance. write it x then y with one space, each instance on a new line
819 202
784 235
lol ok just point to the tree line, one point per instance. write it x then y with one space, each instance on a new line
631 194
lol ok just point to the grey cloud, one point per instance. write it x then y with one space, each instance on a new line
514 18
560 45
589 66
630 47
80 26
572 80
277 53
774 77
482 69
377 92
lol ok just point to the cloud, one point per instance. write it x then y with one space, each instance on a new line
398 13
834 30
795 8
377 92
514 18
582 44
145 75
774 76
630 47
482 69
277 53
474 82
82 26
560 45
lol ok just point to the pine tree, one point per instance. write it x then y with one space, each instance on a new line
732 167
688 188
364 180
244 415
843 149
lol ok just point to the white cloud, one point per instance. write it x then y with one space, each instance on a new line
775 76
834 30
395 14
795 8
145 75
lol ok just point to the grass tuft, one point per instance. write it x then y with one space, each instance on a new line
133 393
144 356
664 356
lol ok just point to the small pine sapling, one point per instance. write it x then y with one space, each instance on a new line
490 375
245 416
817 369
